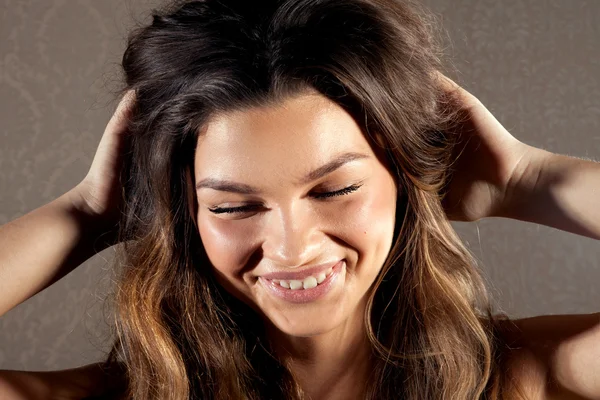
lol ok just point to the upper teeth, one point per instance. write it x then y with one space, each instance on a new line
307 283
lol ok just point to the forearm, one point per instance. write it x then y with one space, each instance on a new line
42 246
558 191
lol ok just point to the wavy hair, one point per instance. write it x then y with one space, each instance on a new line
179 334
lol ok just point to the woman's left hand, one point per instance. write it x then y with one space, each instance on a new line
488 161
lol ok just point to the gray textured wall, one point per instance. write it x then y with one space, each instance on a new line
535 65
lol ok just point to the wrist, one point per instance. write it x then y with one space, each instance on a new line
526 186
103 230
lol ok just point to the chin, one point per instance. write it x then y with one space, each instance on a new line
306 326
309 320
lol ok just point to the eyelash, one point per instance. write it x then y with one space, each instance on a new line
234 210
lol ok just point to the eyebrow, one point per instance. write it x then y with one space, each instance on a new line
242 188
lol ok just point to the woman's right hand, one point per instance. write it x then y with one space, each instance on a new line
42 246
99 194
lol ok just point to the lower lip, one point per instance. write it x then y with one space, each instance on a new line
305 295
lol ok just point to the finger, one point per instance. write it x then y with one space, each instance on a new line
465 98
111 141
118 121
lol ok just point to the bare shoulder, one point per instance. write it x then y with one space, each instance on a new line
556 356
69 384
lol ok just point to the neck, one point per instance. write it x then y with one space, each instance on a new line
332 365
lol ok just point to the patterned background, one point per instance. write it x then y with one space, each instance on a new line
534 64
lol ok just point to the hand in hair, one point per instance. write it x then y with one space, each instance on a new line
487 160
100 190
496 175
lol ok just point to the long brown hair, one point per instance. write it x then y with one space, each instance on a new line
179 334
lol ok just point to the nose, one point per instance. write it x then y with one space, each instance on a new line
290 236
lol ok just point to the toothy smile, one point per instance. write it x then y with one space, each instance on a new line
309 282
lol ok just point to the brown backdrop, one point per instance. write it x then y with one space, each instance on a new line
535 65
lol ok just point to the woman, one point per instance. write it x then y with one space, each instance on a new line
288 171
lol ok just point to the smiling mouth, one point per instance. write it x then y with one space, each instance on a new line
310 282
308 289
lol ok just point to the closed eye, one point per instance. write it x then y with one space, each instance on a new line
324 195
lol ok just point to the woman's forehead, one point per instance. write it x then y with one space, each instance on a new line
309 128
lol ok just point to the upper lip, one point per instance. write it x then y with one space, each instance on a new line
300 275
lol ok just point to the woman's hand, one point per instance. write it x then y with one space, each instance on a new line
488 161
42 246
100 191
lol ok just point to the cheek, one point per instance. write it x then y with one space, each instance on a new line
371 224
226 244
368 222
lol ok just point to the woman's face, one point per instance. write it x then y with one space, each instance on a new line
295 211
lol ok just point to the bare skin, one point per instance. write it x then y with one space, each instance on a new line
292 229
90 380
553 367
500 176
555 358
